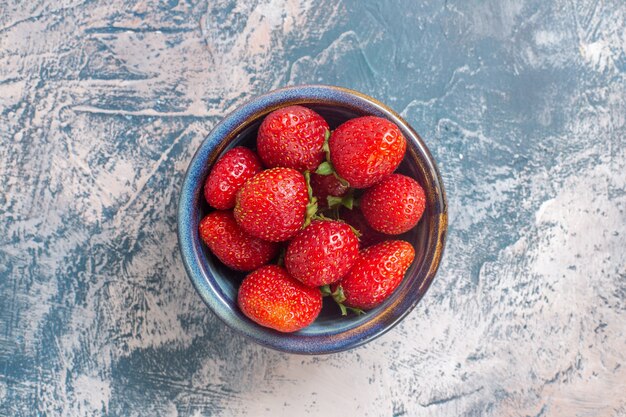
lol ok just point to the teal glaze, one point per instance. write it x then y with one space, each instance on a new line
217 285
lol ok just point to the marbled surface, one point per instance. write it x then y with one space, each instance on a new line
522 102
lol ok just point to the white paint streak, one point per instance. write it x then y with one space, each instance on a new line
598 55
92 393
195 112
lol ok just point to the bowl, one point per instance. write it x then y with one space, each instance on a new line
217 285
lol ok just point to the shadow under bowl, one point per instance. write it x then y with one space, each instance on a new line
217 285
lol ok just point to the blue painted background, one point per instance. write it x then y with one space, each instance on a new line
522 103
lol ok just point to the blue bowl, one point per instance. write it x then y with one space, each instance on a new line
217 285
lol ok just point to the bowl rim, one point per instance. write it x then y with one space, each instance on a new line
188 217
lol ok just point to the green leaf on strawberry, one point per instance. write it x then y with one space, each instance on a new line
339 298
311 207
347 201
326 167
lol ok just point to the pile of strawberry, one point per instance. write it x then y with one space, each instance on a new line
296 196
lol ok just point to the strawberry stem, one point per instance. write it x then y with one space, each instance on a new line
311 207
338 295
344 310
326 167
320 216
356 311
339 298
333 201
346 201
356 232
341 180
325 289
326 146
307 178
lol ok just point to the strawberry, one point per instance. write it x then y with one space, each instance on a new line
270 297
228 175
325 186
273 204
234 247
365 150
292 137
377 272
355 219
394 205
322 253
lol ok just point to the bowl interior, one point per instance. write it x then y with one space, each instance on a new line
228 280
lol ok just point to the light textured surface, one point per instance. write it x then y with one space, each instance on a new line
523 104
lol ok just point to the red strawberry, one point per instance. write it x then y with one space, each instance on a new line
228 175
324 186
270 297
394 205
365 150
377 272
355 219
272 205
234 247
322 253
292 137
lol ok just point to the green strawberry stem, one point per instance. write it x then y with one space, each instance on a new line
341 180
355 231
307 177
320 216
325 146
338 295
311 207
354 310
339 298
346 201
334 201
326 167
325 289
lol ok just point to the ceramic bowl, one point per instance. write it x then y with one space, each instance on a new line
217 285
